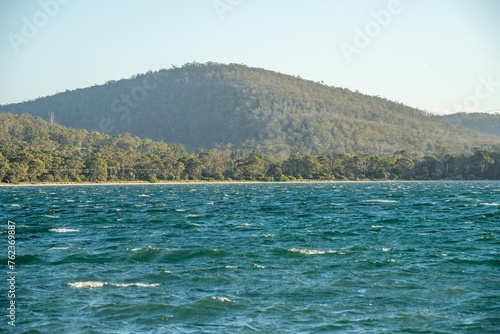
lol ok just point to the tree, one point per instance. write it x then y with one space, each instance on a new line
252 168
377 168
275 172
310 166
4 167
192 168
96 168
482 161
429 168
213 165
404 165
70 165
18 172
36 168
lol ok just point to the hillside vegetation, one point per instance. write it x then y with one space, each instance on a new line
482 122
206 106
34 150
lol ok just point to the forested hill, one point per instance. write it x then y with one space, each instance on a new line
214 105
482 122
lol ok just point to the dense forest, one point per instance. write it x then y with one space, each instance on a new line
238 108
482 122
34 150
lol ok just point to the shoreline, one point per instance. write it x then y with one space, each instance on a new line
139 183
187 182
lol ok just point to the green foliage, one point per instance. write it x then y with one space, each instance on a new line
208 106
96 167
59 154
153 179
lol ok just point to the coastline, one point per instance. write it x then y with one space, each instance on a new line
198 182
139 183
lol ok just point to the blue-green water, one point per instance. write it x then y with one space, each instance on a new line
255 258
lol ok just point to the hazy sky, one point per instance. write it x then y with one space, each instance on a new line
441 56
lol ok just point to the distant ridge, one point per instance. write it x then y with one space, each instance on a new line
482 122
203 106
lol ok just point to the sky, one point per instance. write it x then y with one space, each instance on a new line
439 56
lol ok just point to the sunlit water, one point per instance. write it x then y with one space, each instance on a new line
255 258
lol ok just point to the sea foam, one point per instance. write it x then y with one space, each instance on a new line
380 201
63 230
311 251
140 285
87 285
223 299
98 285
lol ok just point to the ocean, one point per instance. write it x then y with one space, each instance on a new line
374 257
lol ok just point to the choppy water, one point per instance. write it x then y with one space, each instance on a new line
256 258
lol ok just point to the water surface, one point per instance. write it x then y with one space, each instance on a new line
256 258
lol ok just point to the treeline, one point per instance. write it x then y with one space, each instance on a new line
32 150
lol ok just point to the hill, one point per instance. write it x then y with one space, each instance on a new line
203 106
482 122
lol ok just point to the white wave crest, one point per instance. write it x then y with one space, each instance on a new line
491 204
51 216
98 285
140 285
150 249
380 201
223 299
311 251
87 285
63 230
